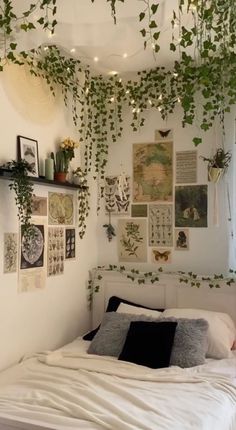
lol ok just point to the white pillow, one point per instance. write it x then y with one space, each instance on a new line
221 333
130 309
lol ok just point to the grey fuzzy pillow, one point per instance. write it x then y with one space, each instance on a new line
111 336
189 347
190 342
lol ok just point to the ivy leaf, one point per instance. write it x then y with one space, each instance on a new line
153 24
143 32
156 35
154 8
41 20
197 141
141 16
13 46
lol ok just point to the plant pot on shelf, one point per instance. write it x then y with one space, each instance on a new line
214 174
60 176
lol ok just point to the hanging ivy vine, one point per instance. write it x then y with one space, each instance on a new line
202 80
147 278
10 23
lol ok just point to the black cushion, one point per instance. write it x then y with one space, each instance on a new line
112 306
149 343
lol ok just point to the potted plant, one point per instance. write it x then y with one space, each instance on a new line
62 158
79 176
218 164
23 188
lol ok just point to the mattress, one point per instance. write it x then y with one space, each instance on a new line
69 389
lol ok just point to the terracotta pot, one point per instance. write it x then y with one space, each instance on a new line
60 176
214 174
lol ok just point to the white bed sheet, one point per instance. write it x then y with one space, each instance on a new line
70 389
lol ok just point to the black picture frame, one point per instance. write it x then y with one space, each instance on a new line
27 149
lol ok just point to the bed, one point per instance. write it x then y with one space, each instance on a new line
71 389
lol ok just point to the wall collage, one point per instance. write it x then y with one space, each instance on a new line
163 208
53 244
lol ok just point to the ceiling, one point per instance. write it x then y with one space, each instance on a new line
88 30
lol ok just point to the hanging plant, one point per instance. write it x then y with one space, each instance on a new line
23 188
10 22
202 80
218 164
83 209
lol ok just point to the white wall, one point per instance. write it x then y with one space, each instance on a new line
208 251
50 317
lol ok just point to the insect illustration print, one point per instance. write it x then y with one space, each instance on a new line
161 256
164 134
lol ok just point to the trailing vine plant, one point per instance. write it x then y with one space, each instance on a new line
23 188
202 80
10 22
143 278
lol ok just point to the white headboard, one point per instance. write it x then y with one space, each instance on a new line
168 292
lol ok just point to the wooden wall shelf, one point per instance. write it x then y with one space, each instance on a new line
6 174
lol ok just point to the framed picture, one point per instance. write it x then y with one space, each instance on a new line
28 150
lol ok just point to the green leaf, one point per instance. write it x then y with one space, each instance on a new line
141 16
197 141
143 32
154 8
153 24
13 46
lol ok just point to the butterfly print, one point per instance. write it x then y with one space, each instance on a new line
161 255
164 133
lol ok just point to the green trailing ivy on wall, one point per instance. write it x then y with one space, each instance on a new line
10 22
202 80
147 278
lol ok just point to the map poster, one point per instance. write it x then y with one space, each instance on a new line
160 225
186 167
153 172
61 208
32 272
191 206
132 240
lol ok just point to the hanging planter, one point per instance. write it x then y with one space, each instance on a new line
215 174
218 164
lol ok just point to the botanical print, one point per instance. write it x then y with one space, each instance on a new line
152 172
139 211
160 225
10 253
182 239
191 206
32 251
132 240
61 208
186 167
163 134
70 243
117 195
56 251
39 206
161 256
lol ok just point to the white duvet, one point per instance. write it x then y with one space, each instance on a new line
69 389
